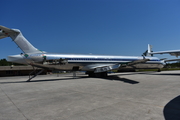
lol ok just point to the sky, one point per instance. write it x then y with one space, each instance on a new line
105 27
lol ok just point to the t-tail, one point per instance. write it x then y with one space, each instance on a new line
19 39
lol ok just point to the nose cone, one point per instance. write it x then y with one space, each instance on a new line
16 59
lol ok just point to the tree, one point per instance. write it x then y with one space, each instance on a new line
4 62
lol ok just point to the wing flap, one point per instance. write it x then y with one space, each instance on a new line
106 68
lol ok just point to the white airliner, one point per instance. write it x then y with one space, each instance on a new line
94 65
171 52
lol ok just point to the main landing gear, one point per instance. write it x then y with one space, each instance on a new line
101 74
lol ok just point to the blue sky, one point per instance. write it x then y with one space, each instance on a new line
107 27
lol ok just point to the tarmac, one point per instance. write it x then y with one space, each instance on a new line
120 96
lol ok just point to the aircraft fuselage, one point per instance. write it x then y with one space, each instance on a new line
82 62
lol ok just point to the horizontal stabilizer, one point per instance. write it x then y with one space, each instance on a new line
6 32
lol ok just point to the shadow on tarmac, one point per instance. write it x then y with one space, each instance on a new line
112 77
117 78
173 74
152 73
172 109
40 80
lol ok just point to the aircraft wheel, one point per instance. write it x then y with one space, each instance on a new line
104 74
91 74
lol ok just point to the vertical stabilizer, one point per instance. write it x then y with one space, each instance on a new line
19 39
149 48
149 51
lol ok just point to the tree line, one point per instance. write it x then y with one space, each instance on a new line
4 62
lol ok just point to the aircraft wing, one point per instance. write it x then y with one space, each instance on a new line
97 68
135 62
171 52
171 60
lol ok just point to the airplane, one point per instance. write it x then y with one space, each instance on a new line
171 52
176 53
94 65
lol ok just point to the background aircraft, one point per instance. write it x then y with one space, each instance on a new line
94 65
171 52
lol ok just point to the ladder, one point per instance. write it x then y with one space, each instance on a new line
35 74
